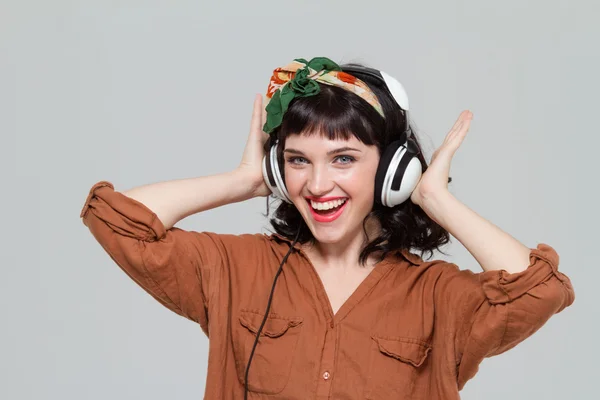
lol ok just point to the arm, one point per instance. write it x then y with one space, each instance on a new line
489 313
493 248
481 315
174 200
180 269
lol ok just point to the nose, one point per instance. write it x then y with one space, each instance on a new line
319 182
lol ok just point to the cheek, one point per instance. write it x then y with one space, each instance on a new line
360 189
361 180
294 180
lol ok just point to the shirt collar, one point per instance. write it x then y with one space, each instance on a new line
407 255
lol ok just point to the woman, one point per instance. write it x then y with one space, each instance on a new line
333 305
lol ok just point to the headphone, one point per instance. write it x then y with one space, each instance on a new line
399 169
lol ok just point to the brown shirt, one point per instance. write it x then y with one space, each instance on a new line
413 329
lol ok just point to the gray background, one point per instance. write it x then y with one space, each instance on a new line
136 92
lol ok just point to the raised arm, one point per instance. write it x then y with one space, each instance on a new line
178 268
174 200
520 289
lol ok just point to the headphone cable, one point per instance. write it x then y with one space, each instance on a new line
267 311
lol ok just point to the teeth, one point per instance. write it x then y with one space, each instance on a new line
328 205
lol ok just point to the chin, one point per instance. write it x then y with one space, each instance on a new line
333 234
328 237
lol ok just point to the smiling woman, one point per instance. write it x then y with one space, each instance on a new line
351 313
335 123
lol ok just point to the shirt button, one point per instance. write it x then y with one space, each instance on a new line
326 375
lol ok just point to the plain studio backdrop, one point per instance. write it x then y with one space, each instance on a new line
137 92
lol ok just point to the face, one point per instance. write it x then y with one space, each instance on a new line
331 183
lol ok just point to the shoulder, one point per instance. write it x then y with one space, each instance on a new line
436 271
276 240
255 244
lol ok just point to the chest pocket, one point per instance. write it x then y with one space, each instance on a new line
393 367
274 354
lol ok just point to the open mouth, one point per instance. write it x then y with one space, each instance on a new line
327 211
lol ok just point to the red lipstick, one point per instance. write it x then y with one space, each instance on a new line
330 217
323 199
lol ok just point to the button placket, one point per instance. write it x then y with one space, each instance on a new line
327 363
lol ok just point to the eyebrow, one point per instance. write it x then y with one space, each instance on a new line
334 151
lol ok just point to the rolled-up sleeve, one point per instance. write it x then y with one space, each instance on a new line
491 312
174 266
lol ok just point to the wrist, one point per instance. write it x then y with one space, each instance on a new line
248 183
437 205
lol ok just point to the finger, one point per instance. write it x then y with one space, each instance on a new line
458 125
264 115
464 127
456 128
263 120
458 121
461 128
450 147
466 115
255 125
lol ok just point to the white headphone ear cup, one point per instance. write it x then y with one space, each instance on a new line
410 180
401 178
383 170
272 175
278 178
271 185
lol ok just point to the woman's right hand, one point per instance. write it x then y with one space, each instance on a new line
251 164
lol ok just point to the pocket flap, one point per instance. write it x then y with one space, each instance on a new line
407 350
275 325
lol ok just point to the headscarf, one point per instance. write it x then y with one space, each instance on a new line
299 79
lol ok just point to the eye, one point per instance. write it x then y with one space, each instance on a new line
296 160
346 159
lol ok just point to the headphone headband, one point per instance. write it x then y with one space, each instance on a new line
392 84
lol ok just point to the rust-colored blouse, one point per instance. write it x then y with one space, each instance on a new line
413 329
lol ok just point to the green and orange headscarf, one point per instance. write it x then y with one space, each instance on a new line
299 79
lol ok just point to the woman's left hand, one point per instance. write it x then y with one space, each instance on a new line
435 179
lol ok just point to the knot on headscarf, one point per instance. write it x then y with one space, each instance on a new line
300 79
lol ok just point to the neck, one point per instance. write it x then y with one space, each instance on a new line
345 254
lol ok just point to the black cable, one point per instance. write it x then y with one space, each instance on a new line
267 311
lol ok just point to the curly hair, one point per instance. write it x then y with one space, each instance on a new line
336 113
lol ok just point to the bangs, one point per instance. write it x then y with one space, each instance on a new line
335 114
